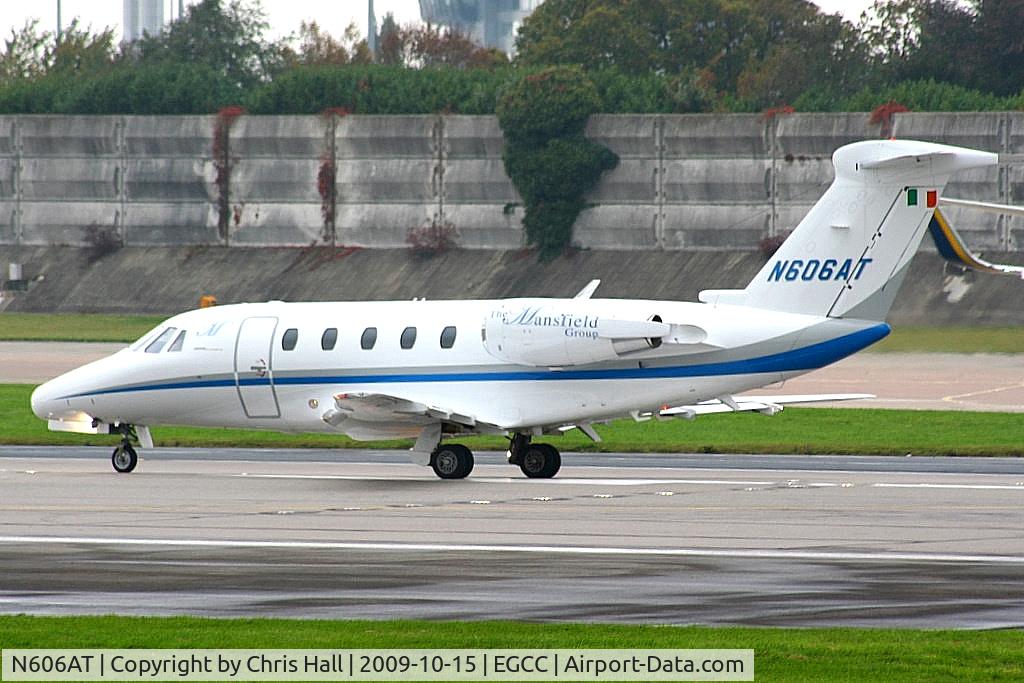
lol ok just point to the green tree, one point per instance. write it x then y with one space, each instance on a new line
768 50
225 35
317 47
547 157
83 52
30 54
25 53
390 42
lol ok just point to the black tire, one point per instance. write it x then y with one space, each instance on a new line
541 461
124 458
452 461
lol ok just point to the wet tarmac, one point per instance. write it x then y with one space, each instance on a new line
765 540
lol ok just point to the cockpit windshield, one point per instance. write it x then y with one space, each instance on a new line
158 344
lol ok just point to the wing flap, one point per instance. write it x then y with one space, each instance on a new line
374 407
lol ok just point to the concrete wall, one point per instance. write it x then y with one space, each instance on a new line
171 279
687 182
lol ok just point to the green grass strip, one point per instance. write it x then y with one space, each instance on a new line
78 327
796 430
818 654
952 340
128 328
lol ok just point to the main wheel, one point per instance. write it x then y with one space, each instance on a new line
541 461
452 461
124 458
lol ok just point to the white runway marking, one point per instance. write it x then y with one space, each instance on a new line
567 550
983 487
516 480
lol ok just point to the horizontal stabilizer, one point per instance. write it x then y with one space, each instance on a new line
907 161
953 248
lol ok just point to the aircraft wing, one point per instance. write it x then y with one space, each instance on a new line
953 248
766 405
373 407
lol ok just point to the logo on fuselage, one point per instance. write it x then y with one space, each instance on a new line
815 269
573 325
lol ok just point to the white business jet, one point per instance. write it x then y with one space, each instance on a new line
524 368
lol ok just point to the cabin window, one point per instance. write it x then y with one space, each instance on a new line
289 339
157 345
329 338
369 338
448 337
178 342
408 337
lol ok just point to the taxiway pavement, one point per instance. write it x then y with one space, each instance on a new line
780 540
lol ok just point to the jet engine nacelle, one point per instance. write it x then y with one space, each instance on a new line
574 332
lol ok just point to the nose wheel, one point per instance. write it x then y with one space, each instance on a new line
124 458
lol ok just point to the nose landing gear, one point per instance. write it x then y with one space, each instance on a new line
124 458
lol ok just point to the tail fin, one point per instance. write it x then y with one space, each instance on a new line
850 253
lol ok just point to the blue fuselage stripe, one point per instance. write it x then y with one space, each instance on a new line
806 358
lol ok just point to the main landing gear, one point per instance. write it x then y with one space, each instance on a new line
452 461
124 458
536 460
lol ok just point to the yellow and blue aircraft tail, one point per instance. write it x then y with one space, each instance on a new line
952 247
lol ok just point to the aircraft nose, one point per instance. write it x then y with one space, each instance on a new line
42 400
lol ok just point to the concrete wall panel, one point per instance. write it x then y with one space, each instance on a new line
629 136
279 137
269 224
170 224
486 226
8 172
390 137
386 180
65 222
69 136
8 135
977 130
617 227
478 180
688 136
169 136
88 179
633 181
8 222
379 225
717 180
276 180
802 180
803 137
473 137
715 227
169 180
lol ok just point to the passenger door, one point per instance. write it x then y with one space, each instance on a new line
254 373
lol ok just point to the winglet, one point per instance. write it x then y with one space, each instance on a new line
589 290
953 248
